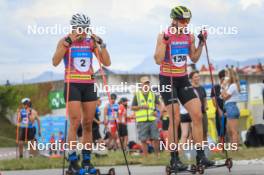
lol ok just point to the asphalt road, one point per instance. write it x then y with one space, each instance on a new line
153 170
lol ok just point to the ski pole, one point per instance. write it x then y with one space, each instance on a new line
68 72
173 115
109 99
217 106
17 134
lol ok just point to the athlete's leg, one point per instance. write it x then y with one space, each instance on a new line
20 146
194 109
184 132
21 141
205 126
173 131
125 142
87 121
89 109
176 120
74 110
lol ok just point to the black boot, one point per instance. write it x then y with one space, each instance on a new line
74 167
201 159
175 162
86 162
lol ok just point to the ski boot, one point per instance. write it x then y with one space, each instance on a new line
74 167
175 166
86 163
203 160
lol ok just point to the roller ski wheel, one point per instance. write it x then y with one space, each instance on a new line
193 169
69 172
229 164
81 172
200 169
168 170
111 171
98 172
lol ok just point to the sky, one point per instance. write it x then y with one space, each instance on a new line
129 28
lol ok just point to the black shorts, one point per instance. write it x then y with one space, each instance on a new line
185 118
122 130
30 132
182 90
165 124
83 92
96 134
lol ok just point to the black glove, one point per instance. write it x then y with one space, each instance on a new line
166 39
202 36
97 39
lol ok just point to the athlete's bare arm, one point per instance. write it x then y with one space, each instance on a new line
38 121
160 50
195 53
102 54
62 48
105 115
18 116
96 121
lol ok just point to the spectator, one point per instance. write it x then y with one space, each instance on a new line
201 93
110 115
122 122
145 103
218 102
230 88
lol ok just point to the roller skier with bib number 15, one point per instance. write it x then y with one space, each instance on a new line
76 50
174 47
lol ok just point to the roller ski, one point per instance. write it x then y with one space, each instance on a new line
89 168
228 164
176 166
111 171
192 169
74 167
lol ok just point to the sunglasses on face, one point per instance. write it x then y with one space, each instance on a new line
184 21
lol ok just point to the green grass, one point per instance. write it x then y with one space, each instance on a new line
7 133
116 158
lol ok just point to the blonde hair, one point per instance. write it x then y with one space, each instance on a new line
233 77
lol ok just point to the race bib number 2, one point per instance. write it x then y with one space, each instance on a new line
25 120
81 59
82 64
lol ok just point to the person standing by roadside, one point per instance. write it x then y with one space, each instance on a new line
145 103
230 89
201 93
218 103
122 122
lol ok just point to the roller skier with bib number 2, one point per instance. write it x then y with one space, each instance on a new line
76 50
174 47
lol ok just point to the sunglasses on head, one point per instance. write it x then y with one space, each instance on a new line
184 21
